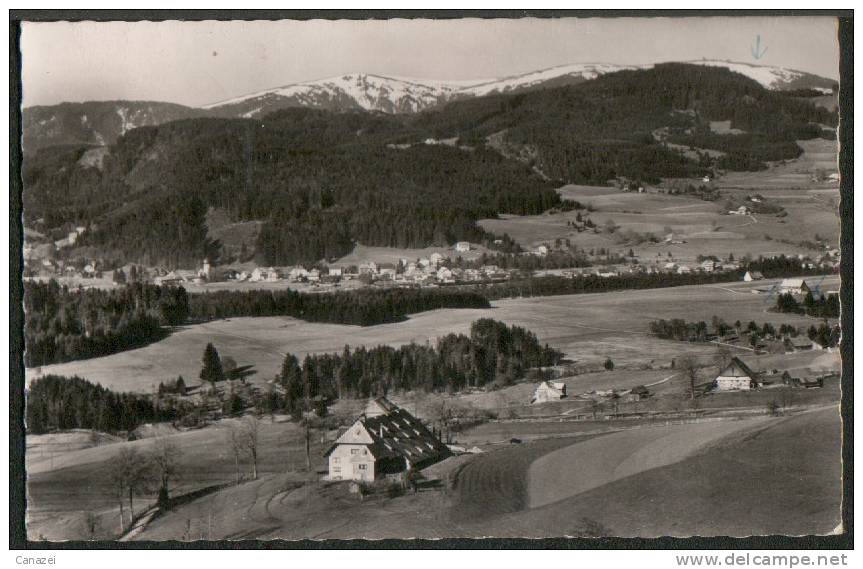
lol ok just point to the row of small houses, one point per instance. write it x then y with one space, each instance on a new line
422 271
736 376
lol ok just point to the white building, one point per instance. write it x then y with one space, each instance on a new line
436 258
462 247
549 391
444 274
384 442
753 276
795 286
298 273
736 376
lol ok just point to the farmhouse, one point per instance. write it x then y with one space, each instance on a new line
636 394
801 344
385 441
436 258
797 287
549 391
736 376
753 276
462 247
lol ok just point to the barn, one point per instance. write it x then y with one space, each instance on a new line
795 286
385 441
549 391
736 376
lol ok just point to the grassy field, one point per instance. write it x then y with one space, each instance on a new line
65 483
597 462
705 226
631 483
67 474
794 460
587 327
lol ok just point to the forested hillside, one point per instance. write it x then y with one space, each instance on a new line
322 181
594 131
319 181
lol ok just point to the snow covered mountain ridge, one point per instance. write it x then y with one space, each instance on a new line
102 122
400 95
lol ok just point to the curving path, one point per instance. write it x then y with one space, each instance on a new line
586 465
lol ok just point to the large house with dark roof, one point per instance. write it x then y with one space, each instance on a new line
385 441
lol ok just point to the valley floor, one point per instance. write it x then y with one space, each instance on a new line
587 327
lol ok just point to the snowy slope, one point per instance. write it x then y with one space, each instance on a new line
771 77
352 91
408 95
574 73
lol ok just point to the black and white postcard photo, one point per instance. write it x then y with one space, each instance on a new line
424 278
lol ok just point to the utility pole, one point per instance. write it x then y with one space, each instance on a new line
308 449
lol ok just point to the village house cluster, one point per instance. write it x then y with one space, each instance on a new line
436 269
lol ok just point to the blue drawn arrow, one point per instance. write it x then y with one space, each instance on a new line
757 52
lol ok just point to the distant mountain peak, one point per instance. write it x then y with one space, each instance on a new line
100 123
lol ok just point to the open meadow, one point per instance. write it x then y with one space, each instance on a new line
587 327
637 482
705 226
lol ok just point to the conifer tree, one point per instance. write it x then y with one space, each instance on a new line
211 366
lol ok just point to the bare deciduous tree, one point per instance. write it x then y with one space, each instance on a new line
130 474
238 447
251 430
164 458
687 366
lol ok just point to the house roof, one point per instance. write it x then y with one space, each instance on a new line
393 434
738 364
755 274
792 283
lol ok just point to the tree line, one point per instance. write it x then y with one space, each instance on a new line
64 324
684 331
493 353
363 307
825 306
57 402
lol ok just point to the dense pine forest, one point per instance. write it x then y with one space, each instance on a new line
63 324
58 402
362 307
321 182
493 353
825 306
600 129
